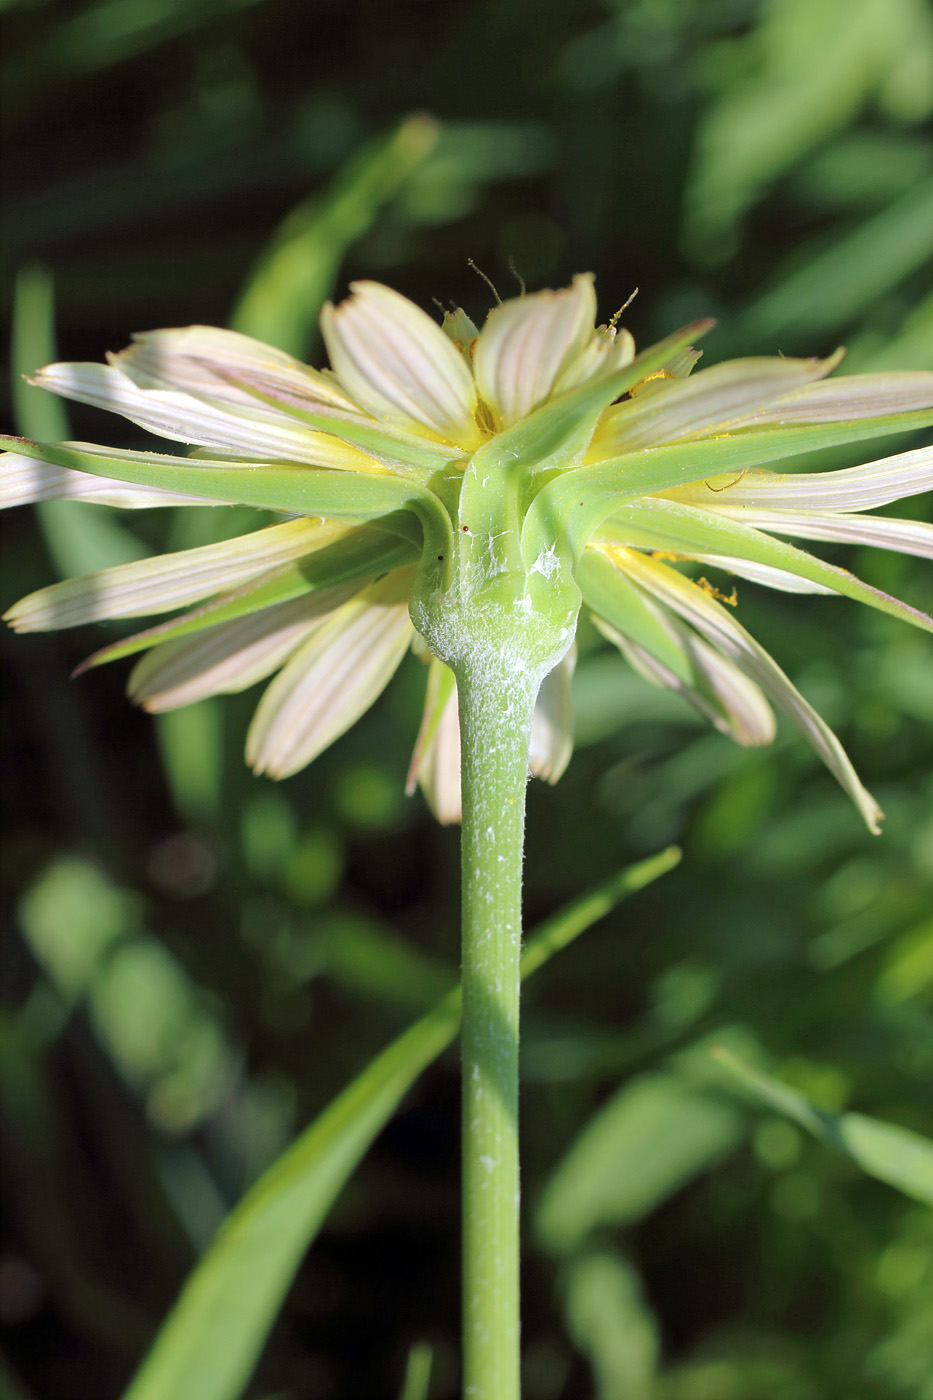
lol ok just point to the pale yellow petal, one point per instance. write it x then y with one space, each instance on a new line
224 366
333 678
399 365
608 351
232 656
254 432
170 580
702 404
435 764
23 481
552 725
526 344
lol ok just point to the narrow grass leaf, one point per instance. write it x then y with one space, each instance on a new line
78 539
417 1372
896 1155
656 1134
285 291
211 1340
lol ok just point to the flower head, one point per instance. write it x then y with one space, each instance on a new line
433 458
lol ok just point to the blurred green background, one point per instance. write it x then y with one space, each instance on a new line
197 960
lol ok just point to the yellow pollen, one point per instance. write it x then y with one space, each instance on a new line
483 418
658 374
712 591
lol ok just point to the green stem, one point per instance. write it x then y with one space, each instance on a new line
495 725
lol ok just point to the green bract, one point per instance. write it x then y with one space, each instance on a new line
478 486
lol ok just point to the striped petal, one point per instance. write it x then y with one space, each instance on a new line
24 481
399 365
224 366
850 396
333 678
609 349
678 408
254 433
764 574
854 488
552 724
728 637
692 533
435 763
882 531
230 657
728 700
660 647
527 344
170 580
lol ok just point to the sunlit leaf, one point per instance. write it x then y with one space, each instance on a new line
417 1373
896 1155
78 538
581 500
651 1138
212 1338
284 293
610 1320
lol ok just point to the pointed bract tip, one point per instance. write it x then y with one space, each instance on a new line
87 664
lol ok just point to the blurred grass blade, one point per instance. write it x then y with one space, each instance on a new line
896 1155
191 745
651 1138
11 1387
79 537
38 414
113 31
293 278
608 1318
802 73
212 1338
841 283
417 1373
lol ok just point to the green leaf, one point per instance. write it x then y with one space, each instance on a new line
835 286
214 1334
896 1155
668 525
609 1320
652 1137
797 76
295 490
294 276
577 502
418 1372
191 745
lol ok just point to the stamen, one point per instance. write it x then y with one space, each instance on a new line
480 273
516 274
622 309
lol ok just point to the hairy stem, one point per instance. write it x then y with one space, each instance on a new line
495 722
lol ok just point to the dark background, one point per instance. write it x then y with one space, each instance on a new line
197 960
